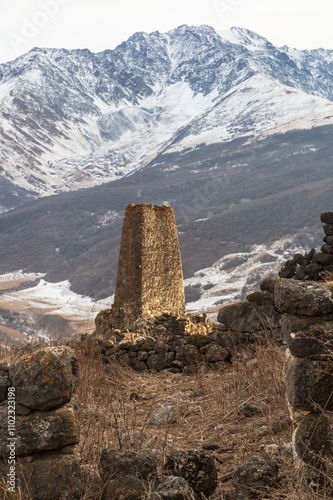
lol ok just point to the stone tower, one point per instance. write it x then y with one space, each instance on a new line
150 276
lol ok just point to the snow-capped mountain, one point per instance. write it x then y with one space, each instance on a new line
72 119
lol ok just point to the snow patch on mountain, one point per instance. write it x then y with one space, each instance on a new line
229 279
258 107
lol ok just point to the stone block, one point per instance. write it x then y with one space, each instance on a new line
115 464
302 298
42 431
309 384
46 379
312 439
327 217
197 467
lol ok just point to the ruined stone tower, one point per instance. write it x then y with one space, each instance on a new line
149 277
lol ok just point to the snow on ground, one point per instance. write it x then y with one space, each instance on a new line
54 298
20 275
229 278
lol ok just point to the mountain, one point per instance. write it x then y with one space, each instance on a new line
233 132
71 118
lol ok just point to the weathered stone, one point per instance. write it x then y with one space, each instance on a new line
149 277
160 361
314 342
288 270
199 340
327 217
312 439
244 317
328 240
5 381
300 272
42 431
104 322
50 477
188 355
328 229
250 409
161 347
268 285
261 298
174 488
165 415
215 353
328 249
302 298
137 365
124 488
142 355
46 379
299 259
196 467
115 464
255 475
309 383
323 258
313 270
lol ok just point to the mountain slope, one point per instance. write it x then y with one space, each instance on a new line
71 118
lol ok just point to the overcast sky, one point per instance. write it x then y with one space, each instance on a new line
103 24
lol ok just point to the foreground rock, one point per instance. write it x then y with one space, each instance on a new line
303 298
46 379
196 467
255 476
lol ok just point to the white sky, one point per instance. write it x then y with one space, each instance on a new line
103 24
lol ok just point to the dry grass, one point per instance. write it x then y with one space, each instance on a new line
118 405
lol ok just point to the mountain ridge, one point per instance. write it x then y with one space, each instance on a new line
72 118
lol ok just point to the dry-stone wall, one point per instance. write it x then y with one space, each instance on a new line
37 451
297 310
316 264
164 342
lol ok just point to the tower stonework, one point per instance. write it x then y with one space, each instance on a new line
150 277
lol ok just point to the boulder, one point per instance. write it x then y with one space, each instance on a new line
309 383
323 258
302 298
244 317
165 415
160 361
215 353
261 298
313 270
327 249
313 342
188 355
255 475
42 431
288 269
312 439
124 488
46 379
327 217
137 364
115 464
328 229
174 488
197 467
328 240
50 477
